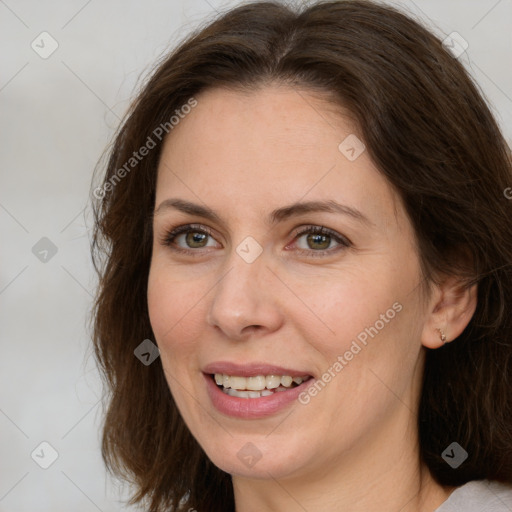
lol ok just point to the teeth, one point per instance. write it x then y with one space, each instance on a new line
256 383
237 382
273 381
260 383
250 394
286 381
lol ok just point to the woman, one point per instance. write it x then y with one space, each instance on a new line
305 212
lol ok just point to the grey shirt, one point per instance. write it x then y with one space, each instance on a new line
479 496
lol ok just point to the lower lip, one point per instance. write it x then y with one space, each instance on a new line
252 408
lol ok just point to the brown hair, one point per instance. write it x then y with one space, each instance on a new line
429 132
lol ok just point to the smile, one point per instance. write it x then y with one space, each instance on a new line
257 386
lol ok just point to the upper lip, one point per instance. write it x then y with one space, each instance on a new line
251 369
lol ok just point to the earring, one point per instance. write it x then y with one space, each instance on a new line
442 336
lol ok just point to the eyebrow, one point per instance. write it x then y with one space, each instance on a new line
276 216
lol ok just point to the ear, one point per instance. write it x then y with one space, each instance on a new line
451 307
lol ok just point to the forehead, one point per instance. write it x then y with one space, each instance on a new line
265 147
261 121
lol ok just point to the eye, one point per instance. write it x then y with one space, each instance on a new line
188 238
312 240
318 241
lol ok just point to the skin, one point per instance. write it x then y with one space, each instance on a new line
354 446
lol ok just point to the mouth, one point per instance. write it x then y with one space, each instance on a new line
253 390
257 386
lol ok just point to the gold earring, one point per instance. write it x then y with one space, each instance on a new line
442 336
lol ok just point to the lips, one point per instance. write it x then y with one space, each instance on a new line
253 390
252 369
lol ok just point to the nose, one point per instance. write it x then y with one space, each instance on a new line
245 300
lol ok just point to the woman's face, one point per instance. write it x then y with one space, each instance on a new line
253 294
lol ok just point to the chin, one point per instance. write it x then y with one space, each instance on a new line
259 456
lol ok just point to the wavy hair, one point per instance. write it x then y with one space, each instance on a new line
428 130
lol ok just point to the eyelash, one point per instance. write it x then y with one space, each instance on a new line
170 236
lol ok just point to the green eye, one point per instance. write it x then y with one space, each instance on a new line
316 241
185 238
311 241
195 239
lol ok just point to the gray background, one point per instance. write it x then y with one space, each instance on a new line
58 115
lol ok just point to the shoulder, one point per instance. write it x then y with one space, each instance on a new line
479 496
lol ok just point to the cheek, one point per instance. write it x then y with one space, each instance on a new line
344 307
367 318
174 308
371 352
